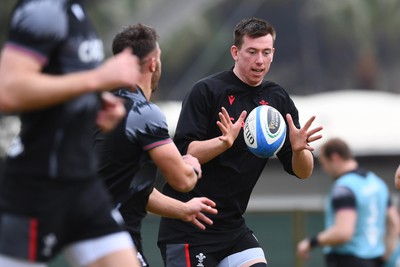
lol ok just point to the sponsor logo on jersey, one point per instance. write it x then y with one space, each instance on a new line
91 51
231 98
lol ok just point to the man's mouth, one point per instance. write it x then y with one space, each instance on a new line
259 71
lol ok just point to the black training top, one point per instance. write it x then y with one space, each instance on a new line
124 159
229 178
55 142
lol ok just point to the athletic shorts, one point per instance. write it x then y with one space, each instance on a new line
338 260
38 218
176 255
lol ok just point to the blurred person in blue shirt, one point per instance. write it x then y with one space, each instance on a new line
361 224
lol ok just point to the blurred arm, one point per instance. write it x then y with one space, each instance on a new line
341 232
24 87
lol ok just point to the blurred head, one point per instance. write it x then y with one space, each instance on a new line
253 50
144 43
336 158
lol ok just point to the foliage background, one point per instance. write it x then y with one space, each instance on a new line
321 45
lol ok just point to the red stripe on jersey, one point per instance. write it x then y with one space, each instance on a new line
187 255
156 144
33 236
39 57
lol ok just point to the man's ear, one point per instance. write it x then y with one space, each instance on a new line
234 51
273 53
152 64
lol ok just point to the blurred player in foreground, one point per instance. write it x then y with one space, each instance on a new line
51 199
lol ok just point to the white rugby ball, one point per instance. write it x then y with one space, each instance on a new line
264 131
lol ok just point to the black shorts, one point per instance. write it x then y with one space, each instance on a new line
137 240
40 217
176 255
338 260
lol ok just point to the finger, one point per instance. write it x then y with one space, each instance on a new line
224 111
200 172
198 224
222 118
242 116
313 138
208 202
314 131
309 122
226 114
209 209
290 122
222 127
200 216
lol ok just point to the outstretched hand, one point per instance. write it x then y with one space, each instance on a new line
300 138
194 212
229 130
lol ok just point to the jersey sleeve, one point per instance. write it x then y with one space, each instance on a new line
343 197
36 27
194 119
148 127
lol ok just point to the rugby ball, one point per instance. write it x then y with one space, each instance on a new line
264 131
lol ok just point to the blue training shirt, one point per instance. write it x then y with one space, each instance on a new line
370 200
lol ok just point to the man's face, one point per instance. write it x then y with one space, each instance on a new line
253 59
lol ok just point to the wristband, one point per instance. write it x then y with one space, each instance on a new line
196 172
314 242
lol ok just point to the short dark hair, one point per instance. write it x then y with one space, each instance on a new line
252 27
336 146
141 38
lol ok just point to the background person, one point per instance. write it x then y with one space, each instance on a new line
127 153
362 226
210 128
51 199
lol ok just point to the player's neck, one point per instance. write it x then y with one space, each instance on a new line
348 166
145 85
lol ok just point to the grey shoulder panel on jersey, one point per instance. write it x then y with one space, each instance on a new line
45 18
